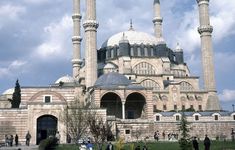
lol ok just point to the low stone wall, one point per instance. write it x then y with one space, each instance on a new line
144 130
12 122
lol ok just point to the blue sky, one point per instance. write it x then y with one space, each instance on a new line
36 47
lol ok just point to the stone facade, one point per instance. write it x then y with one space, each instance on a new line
142 85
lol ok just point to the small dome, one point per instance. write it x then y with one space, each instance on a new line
134 37
65 79
9 91
109 66
112 79
160 41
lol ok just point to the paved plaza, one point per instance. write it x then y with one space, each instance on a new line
22 147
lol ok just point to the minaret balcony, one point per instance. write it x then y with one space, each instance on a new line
205 28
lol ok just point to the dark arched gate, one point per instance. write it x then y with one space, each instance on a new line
46 126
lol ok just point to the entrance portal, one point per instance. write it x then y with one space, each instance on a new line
46 126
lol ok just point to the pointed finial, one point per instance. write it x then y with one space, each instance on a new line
178 48
131 26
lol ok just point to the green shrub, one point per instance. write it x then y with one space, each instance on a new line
48 144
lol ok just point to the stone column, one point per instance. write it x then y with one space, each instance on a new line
157 20
205 30
90 25
76 39
123 110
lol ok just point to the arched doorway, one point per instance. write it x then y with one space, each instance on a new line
113 104
46 126
135 106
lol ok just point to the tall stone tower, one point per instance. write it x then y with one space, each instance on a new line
157 20
90 25
76 39
205 30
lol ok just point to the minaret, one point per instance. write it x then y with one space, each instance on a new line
90 25
157 20
76 39
205 30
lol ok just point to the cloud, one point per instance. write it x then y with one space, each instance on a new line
222 19
57 38
11 12
15 66
38 2
227 95
223 14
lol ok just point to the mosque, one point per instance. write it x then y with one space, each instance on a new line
135 80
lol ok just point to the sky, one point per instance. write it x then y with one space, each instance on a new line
36 46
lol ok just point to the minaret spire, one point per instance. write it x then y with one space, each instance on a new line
157 20
90 25
131 26
76 39
205 30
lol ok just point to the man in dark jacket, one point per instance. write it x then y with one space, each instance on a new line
207 143
195 144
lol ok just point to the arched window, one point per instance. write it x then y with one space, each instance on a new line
185 86
150 84
144 68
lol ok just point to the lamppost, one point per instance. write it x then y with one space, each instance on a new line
233 107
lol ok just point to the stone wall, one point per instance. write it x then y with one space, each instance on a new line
128 129
12 122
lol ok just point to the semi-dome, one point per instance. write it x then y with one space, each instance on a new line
134 37
112 79
65 79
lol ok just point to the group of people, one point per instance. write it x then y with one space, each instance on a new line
9 140
86 146
171 136
206 142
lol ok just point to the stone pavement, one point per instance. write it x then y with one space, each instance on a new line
22 147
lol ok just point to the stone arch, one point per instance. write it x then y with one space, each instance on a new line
164 98
112 102
186 86
47 125
135 106
47 92
144 68
150 84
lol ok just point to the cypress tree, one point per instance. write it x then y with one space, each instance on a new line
16 97
185 142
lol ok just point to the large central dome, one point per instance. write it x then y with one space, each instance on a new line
134 37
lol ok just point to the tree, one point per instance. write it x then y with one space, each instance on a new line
16 97
185 142
99 128
75 118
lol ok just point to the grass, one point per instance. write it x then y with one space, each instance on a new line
215 145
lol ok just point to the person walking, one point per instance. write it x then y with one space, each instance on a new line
16 139
233 135
195 144
11 140
28 137
83 146
109 146
57 136
145 147
89 146
6 140
207 143
137 148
